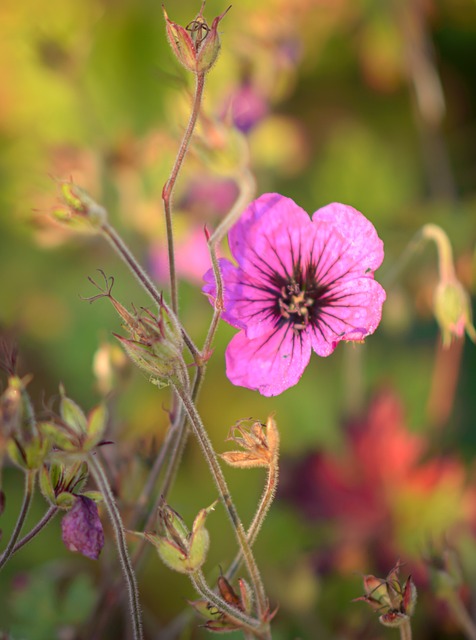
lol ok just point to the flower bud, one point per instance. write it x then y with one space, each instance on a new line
81 212
82 529
74 432
452 307
197 45
155 344
394 601
179 549
23 441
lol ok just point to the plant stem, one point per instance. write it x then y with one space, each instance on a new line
144 280
49 515
167 191
210 456
102 483
246 183
406 630
461 615
27 496
262 510
236 616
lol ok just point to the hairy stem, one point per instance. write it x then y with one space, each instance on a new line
27 496
49 515
235 615
215 469
406 630
102 483
246 183
260 515
167 191
144 280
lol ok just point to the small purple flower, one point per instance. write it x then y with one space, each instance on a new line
248 107
299 284
82 529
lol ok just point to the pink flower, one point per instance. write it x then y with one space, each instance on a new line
300 284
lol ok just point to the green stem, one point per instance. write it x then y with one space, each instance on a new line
236 616
210 456
461 615
167 191
445 251
102 483
406 630
260 515
49 515
27 496
144 280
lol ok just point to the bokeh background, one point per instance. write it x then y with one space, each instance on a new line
370 103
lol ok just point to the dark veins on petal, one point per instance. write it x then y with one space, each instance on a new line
308 298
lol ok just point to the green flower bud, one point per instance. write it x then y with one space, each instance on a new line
81 212
179 549
452 307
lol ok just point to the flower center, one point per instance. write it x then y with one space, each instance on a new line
294 305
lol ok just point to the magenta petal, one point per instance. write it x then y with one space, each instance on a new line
354 319
362 244
269 235
232 281
268 364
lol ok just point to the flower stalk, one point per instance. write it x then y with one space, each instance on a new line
30 477
167 191
405 630
102 483
215 469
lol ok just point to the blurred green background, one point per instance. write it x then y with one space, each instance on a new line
371 103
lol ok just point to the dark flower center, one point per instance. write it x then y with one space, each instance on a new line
294 305
301 299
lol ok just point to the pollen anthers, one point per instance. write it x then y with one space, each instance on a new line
294 305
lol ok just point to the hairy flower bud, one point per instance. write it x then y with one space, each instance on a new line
73 432
197 45
82 213
394 601
180 549
24 443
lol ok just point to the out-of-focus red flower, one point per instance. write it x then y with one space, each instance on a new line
381 493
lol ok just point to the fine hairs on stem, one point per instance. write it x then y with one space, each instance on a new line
102 483
30 477
215 469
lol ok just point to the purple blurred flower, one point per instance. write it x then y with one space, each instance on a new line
299 284
82 529
248 106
